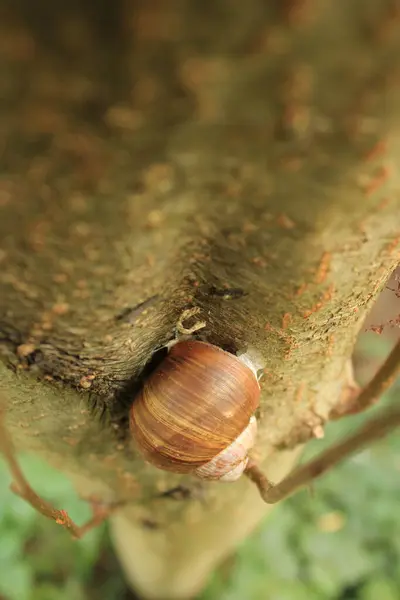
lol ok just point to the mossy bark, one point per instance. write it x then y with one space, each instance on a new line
239 157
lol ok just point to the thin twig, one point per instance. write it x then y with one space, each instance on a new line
21 487
383 379
377 427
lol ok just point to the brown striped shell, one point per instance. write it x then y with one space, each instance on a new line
193 407
229 464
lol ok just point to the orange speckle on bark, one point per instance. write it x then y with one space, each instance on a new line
47 325
300 392
292 346
376 182
249 227
267 374
298 12
331 341
392 246
259 261
323 267
376 151
325 297
286 319
60 308
285 222
383 204
60 278
301 289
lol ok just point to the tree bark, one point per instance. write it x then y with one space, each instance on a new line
239 157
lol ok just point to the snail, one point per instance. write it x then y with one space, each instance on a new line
195 413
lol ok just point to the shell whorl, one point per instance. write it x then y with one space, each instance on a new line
229 464
193 406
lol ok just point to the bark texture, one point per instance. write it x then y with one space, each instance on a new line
239 157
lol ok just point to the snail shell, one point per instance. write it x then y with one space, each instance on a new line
195 412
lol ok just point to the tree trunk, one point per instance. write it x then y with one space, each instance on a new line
239 157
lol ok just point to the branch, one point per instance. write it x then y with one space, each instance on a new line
21 487
371 431
376 428
383 379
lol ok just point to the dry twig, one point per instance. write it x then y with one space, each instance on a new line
21 487
368 395
374 429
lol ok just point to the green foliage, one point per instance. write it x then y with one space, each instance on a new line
38 560
340 542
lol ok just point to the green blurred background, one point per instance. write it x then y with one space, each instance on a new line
340 543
